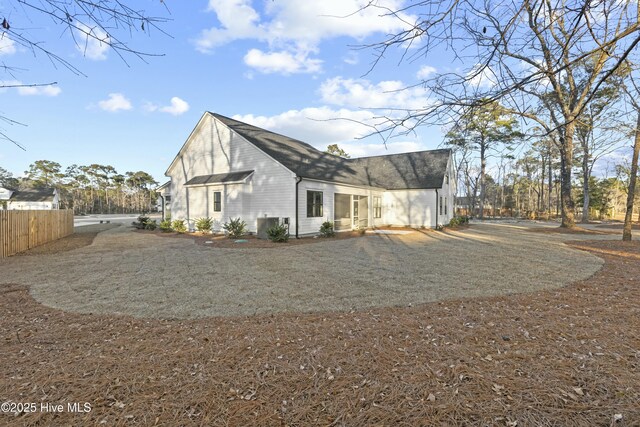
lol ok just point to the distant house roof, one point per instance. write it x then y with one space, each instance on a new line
219 178
34 195
163 186
421 169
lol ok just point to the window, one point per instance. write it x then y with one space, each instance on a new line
377 207
446 206
314 204
441 205
446 179
217 201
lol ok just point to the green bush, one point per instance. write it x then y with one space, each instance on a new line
204 224
150 225
141 223
235 228
458 220
326 229
278 233
165 226
178 225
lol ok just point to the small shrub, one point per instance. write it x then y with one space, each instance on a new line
326 229
235 228
178 225
278 233
165 226
141 223
204 225
150 225
454 222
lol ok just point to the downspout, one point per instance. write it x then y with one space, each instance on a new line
437 207
163 206
298 180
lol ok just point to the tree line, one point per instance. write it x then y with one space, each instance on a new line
89 189
566 70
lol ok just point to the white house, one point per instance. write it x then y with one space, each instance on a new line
29 199
229 169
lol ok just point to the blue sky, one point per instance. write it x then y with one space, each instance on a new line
285 65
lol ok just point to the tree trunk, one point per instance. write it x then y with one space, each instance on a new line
585 187
626 233
550 178
483 166
566 157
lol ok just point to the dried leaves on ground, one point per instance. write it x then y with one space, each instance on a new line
566 357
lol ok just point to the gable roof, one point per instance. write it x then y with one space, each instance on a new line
34 195
219 178
417 170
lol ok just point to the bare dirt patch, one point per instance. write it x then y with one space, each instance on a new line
568 357
81 237
125 272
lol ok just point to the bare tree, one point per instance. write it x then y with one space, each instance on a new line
108 23
521 53
632 93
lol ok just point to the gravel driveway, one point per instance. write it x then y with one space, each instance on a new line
148 276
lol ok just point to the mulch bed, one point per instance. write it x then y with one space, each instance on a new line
563 230
568 357
619 226
221 241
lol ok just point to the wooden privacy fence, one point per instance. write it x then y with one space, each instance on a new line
22 230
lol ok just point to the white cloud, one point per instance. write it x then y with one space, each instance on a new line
296 28
482 78
323 126
25 90
425 72
364 94
7 46
93 42
178 106
50 90
115 102
317 126
281 62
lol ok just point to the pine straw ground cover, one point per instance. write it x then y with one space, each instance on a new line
568 357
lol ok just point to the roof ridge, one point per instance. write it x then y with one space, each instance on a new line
403 154
259 129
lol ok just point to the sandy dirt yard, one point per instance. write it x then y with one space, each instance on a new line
143 275
516 338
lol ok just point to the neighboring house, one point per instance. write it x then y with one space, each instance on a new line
228 169
29 199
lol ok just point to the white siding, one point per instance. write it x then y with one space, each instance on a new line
414 208
34 206
212 149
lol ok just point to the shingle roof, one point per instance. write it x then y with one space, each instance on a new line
218 178
421 169
33 195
